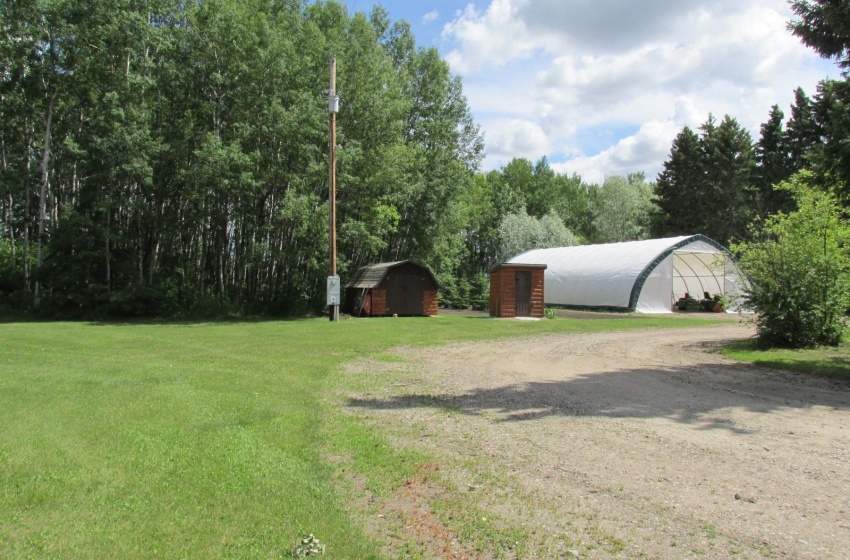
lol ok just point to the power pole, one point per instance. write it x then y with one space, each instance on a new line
333 279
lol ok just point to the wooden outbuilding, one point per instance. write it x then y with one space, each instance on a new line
392 288
516 290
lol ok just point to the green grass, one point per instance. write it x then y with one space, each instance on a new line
200 440
823 361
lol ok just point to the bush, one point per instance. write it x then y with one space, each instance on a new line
798 271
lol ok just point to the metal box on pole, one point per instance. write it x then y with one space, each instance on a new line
333 290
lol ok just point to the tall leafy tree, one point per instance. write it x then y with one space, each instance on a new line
575 202
623 209
520 232
165 155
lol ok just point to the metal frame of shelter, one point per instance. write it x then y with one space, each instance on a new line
638 286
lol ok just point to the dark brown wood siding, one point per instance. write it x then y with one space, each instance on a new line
523 293
406 287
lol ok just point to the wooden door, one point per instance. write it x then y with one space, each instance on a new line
405 294
523 293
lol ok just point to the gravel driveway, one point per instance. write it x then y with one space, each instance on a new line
644 444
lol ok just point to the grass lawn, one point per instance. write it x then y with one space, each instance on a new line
824 361
200 440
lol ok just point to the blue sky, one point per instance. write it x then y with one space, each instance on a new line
601 87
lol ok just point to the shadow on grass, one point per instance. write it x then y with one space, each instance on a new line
694 395
826 361
834 368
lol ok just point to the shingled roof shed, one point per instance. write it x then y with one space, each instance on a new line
392 288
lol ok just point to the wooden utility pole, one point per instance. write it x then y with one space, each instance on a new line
333 280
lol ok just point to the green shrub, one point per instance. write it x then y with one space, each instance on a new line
798 271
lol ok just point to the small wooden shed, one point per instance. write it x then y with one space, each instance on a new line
392 288
516 290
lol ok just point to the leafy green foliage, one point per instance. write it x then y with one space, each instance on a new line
623 209
520 232
171 157
309 546
827 361
798 270
185 165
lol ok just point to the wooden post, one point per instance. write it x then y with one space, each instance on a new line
333 310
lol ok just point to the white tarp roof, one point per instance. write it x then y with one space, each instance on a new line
646 276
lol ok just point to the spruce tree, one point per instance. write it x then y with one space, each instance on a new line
679 185
773 157
824 25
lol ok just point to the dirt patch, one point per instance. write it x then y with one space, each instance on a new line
631 444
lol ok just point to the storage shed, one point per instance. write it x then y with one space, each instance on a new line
647 276
392 288
517 290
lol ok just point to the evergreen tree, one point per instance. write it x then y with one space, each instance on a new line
830 159
824 25
774 165
802 130
679 184
706 186
727 207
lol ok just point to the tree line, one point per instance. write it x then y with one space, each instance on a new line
719 181
164 156
170 157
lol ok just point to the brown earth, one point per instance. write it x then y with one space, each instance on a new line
645 444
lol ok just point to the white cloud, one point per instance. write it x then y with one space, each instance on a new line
490 38
546 73
431 16
643 151
511 138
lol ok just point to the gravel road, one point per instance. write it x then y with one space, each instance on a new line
644 444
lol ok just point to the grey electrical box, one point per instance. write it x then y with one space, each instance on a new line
333 290
333 104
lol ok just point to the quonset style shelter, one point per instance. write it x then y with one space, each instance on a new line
392 288
644 276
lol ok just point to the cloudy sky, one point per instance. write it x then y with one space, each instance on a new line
601 87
